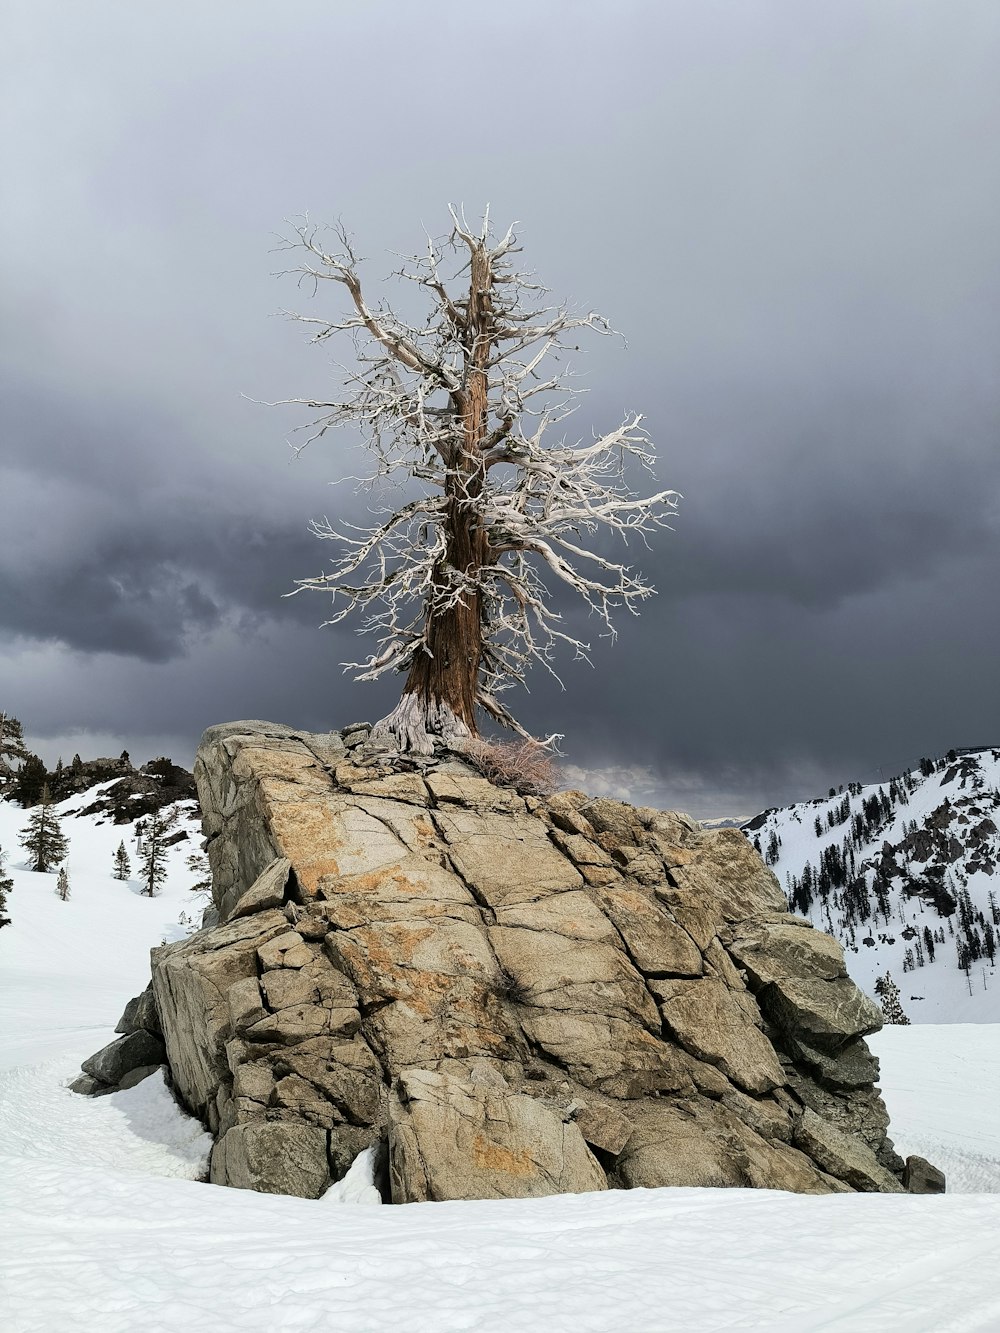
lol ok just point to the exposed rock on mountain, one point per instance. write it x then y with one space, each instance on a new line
516 996
904 874
137 792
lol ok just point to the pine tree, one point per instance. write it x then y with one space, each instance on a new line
42 838
31 778
62 885
153 857
888 993
6 884
197 863
122 865
11 739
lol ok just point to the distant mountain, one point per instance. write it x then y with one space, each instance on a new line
906 874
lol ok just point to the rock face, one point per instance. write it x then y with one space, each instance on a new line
137 1053
516 996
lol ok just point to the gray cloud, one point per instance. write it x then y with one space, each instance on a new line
790 210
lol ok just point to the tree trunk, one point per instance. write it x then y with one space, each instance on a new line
439 698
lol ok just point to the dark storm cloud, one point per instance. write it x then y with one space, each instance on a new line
792 211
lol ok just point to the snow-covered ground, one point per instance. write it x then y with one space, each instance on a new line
95 947
105 1227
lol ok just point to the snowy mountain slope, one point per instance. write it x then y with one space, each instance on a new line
906 874
96 944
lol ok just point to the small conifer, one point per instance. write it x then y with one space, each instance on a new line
888 993
153 856
6 884
62 884
122 864
42 838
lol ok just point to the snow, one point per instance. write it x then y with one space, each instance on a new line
105 1226
942 1088
97 943
358 1185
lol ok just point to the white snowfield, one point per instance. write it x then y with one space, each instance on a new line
107 1229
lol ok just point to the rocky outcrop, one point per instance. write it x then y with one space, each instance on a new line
511 995
136 793
133 1056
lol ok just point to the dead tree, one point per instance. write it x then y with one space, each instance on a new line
471 405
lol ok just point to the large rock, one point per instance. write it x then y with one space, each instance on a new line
111 1064
704 1143
800 979
191 981
140 1014
721 1026
515 996
843 1155
275 1158
467 1138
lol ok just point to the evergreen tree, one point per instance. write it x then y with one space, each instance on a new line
42 838
989 941
30 780
6 884
153 857
122 865
773 848
11 739
888 994
197 863
62 885
929 943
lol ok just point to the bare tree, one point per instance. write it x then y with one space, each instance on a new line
471 404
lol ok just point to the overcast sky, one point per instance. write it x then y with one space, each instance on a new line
790 208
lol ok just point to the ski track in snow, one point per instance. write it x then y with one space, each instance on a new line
106 1228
